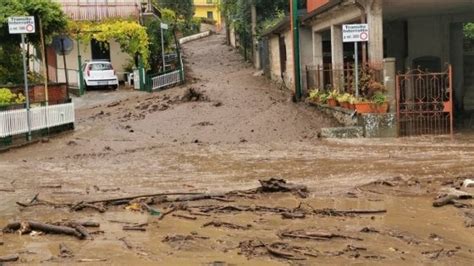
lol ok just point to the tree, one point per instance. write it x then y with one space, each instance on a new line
53 21
183 8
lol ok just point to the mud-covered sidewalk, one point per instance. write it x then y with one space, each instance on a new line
223 131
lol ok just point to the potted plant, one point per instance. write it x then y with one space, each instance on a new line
352 101
332 98
380 104
314 95
343 100
323 98
377 104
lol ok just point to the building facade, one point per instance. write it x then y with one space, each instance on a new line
209 9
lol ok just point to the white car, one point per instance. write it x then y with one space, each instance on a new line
99 74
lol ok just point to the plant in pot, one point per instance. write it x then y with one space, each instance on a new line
380 104
314 95
323 98
343 100
332 98
352 101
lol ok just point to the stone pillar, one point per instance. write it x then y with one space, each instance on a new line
256 50
389 76
457 61
318 58
337 55
375 20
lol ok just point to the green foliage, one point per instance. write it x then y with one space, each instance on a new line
53 21
469 30
379 98
184 9
271 22
131 36
7 97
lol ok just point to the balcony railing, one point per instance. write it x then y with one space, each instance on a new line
96 10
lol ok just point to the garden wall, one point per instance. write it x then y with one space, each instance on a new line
57 92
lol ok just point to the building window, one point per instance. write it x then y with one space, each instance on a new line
209 1
210 15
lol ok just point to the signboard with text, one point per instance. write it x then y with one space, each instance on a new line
21 25
355 32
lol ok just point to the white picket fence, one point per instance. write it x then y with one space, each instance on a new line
165 80
15 122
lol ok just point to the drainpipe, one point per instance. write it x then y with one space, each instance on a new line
296 47
363 20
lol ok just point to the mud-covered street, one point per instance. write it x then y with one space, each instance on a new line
223 131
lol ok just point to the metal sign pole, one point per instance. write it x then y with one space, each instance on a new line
356 55
163 49
27 96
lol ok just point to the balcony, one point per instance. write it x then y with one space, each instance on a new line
96 10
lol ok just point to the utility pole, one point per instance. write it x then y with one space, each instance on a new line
296 47
256 52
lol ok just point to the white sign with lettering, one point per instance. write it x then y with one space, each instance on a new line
21 25
355 32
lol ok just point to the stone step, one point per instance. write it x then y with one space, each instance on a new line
342 132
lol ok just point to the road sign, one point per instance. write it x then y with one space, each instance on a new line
355 32
164 26
63 44
21 25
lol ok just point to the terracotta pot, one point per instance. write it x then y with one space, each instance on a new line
332 102
344 105
366 108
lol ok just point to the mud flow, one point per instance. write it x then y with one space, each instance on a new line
227 170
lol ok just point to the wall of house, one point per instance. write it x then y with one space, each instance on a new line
274 47
306 54
314 4
118 59
202 7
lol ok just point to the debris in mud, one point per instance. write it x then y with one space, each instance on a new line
468 183
181 238
183 216
82 205
314 235
280 185
9 258
203 124
450 197
281 250
436 254
71 143
469 218
227 225
135 228
217 104
369 230
350 213
126 242
29 226
65 252
194 95
113 104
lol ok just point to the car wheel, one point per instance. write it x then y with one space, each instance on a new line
114 87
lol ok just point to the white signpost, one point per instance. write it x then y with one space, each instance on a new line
23 26
355 33
163 26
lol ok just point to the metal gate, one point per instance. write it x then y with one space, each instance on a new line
425 103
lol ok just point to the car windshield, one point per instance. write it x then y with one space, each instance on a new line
100 66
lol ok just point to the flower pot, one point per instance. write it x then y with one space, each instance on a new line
332 102
367 108
344 104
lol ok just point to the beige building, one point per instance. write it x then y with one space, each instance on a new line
94 10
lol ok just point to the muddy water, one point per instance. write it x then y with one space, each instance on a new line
403 235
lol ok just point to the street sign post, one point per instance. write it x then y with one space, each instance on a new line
23 26
355 33
163 26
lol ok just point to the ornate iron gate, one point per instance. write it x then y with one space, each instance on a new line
425 103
